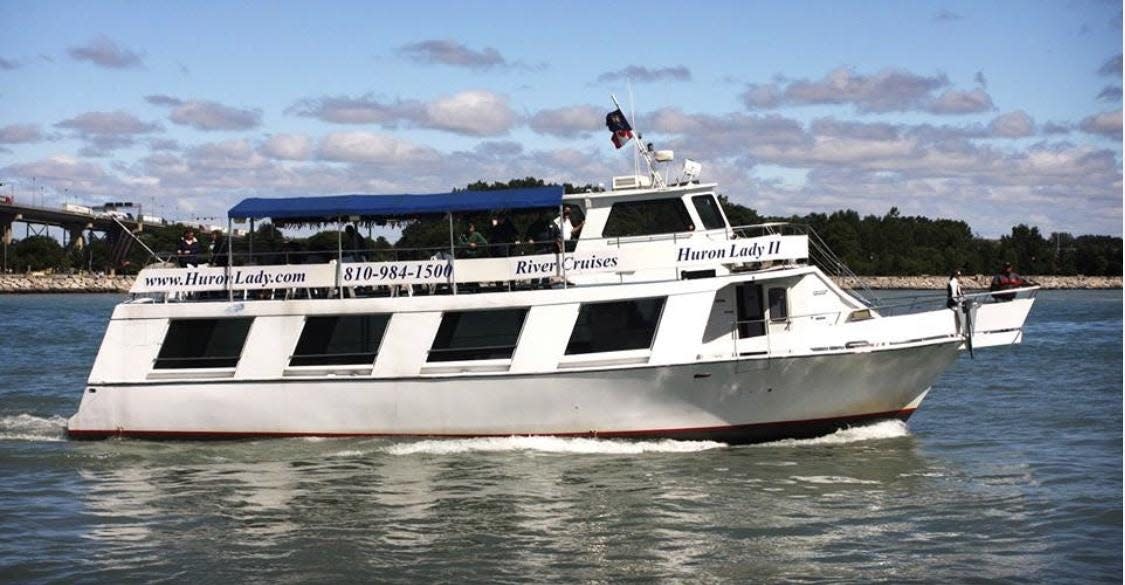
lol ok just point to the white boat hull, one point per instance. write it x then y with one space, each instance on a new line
734 401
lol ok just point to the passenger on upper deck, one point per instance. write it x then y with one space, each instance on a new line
188 250
353 245
474 243
543 235
502 236
567 229
218 249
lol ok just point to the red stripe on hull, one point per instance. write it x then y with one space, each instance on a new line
734 434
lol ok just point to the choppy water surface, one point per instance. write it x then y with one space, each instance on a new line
1011 472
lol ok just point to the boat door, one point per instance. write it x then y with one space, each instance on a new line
752 339
777 302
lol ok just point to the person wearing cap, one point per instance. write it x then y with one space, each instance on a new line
1005 280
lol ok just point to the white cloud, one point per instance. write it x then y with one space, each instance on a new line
477 112
471 113
1015 124
20 134
104 52
208 115
889 90
287 147
1105 124
954 101
447 52
642 74
569 122
369 147
104 132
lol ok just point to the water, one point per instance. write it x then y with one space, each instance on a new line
1011 472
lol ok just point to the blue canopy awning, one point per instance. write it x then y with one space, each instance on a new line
333 206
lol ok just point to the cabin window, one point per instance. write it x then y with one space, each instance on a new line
709 213
339 340
477 335
646 218
779 304
615 326
203 343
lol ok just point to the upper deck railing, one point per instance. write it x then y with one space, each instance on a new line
820 253
445 268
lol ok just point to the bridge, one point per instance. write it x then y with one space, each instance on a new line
76 223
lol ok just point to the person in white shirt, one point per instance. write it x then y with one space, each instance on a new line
566 229
953 293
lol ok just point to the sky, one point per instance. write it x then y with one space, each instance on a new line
995 113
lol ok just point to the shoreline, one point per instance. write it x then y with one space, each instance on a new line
87 283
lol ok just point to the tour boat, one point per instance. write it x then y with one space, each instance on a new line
658 319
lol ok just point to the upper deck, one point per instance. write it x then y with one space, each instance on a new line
594 238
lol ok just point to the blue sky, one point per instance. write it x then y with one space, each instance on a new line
993 112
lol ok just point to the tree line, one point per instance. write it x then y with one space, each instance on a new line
888 245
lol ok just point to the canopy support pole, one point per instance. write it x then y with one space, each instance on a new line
339 256
230 258
562 245
452 256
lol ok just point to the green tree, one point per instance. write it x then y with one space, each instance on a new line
35 253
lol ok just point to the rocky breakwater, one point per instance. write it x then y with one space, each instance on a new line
979 281
63 283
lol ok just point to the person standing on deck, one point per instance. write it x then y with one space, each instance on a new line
218 249
567 230
503 236
953 293
188 250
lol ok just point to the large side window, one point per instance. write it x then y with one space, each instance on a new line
646 218
203 343
615 326
708 210
339 340
477 335
779 304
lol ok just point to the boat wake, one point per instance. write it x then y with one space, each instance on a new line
545 444
888 429
27 427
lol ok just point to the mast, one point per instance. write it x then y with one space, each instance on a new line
641 150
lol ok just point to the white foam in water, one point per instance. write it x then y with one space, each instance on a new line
26 427
549 445
832 479
888 429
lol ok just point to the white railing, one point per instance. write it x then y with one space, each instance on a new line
652 260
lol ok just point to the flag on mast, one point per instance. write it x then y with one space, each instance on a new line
619 125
